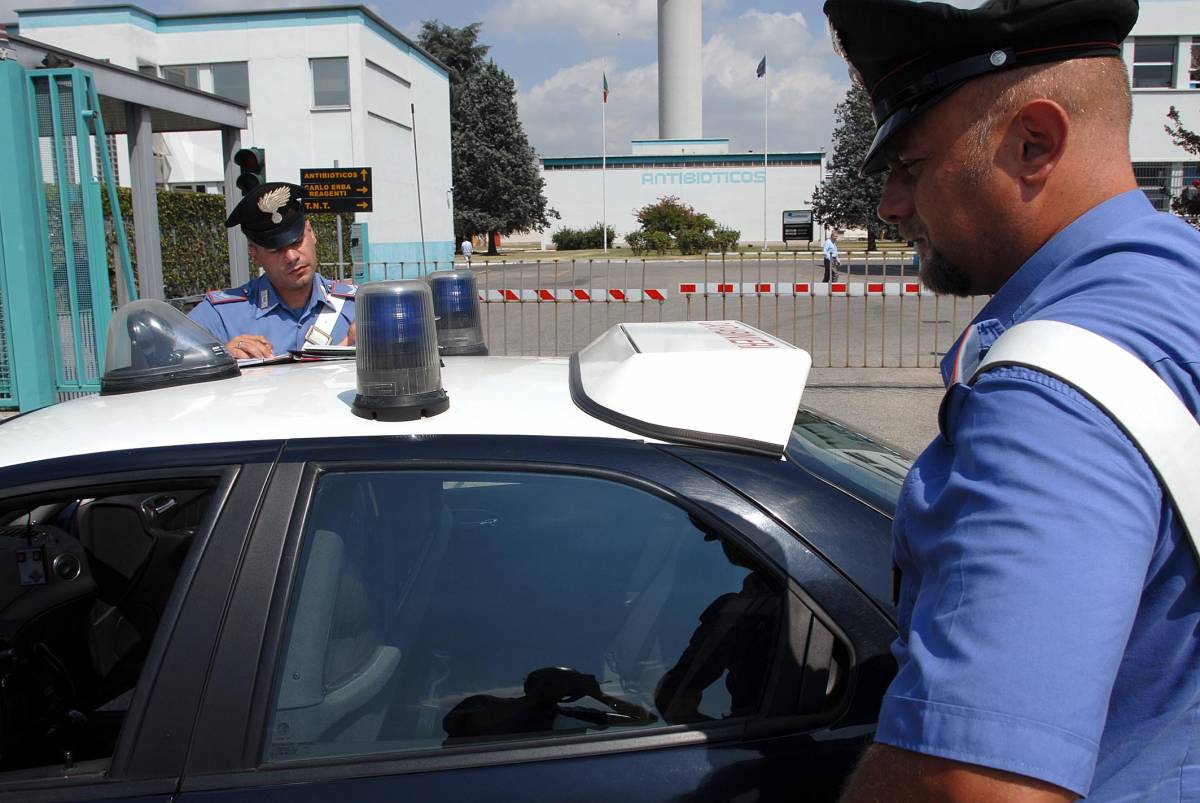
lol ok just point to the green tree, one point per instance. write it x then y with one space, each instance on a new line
476 121
497 185
845 199
458 49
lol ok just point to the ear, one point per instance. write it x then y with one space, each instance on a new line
1041 128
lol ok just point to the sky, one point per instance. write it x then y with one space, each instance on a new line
557 51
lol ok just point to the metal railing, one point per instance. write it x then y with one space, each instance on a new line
876 316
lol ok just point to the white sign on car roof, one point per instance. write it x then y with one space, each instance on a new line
716 383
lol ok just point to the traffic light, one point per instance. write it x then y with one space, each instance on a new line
253 165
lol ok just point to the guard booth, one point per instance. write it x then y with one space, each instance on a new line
56 173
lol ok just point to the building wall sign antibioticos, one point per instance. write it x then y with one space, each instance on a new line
733 193
337 189
680 177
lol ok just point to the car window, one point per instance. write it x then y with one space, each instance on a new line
85 577
848 459
442 608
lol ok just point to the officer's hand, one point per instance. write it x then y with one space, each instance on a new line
248 347
349 339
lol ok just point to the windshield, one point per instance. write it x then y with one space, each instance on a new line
848 459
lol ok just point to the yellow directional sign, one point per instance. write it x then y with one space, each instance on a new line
336 189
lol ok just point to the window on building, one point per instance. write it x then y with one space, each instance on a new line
148 69
621 612
183 75
1154 61
1194 69
227 79
232 80
331 82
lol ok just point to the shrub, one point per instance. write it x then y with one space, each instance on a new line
671 216
568 239
636 240
693 241
725 239
657 241
195 248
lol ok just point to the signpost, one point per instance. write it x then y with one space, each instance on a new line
797 225
336 189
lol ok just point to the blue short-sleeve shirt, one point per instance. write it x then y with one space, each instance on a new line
1049 602
256 309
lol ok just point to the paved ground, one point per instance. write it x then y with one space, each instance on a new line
897 406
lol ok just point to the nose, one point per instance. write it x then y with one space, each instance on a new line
895 204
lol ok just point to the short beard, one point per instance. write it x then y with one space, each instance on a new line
944 277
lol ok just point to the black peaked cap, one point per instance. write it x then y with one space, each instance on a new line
910 55
271 215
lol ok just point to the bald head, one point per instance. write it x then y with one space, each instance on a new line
1094 93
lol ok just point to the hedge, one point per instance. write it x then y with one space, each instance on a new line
195 248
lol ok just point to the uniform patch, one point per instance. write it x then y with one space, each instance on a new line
226 296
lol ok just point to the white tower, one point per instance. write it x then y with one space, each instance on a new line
680 74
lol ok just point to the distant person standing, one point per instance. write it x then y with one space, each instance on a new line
832 262
467 249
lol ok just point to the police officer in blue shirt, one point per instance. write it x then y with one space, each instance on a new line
289 304
1048 601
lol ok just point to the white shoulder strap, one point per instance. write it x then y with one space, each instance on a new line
1125 388
321 332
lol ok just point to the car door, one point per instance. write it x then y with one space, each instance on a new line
113 573
497 618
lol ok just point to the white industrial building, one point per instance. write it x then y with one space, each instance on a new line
335 84
1162 52
1163 56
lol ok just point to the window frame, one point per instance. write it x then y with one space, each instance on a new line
312 74
1172 64
206 78
1192 65
146 761
244 715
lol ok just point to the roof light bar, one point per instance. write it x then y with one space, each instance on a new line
456 302
399 372
153 345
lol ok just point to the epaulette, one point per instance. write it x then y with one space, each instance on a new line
342 289
228 295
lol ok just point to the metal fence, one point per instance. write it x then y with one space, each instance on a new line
877 315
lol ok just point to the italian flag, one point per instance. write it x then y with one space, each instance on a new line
605 87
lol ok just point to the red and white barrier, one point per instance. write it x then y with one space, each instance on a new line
561 294
851 289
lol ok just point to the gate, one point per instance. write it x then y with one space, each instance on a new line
72 160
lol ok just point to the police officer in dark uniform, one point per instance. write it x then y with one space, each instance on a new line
289 304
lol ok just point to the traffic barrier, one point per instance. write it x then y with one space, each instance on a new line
557 294
851 289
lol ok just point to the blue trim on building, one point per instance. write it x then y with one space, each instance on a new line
68 16
172 23
403 260
697 159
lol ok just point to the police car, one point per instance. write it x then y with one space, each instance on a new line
638 574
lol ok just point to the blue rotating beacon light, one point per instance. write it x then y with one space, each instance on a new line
399 371
456 302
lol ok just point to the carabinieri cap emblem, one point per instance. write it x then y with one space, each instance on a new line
271 202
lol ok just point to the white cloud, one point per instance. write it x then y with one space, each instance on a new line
635 19
562 113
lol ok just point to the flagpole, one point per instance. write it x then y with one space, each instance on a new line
766 114
604 164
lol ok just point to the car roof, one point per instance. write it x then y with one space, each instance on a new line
488 395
